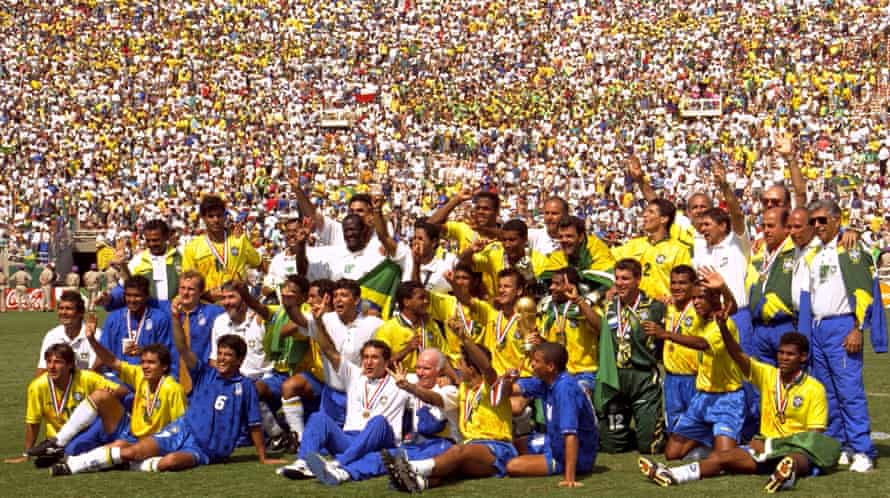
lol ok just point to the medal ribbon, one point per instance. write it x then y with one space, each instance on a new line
221 261
502 334
423 334
767 263
367 403
471 402
623 322
152 397
677 321
782 393
134 335
59 404
463 320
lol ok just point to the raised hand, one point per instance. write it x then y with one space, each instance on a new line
466 194
399 374
711 278
89 325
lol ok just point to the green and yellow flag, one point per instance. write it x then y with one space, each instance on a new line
379 286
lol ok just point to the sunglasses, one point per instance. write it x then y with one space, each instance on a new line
822 220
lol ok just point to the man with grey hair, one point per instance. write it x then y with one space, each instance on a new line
839 299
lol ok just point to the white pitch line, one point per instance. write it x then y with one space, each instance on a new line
879 395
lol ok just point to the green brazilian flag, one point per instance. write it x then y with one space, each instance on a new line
379 286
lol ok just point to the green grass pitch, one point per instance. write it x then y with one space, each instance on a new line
615 475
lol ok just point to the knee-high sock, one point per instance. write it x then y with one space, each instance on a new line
93 460
81 418
270 425
293 414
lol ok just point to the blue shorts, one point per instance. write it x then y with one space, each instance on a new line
713 414
678 393
177 437
587 381
539 444
333 404
503 452
95 436
273 381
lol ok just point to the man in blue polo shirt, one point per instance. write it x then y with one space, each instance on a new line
570 444
136 325
222 404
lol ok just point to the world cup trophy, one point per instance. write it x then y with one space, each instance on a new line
527 324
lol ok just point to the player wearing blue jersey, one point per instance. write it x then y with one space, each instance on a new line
570 443
221 405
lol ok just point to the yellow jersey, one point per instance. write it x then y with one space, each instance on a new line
685 235
594 255
491 260
804 404
444 307
717 372
569 327
220 262
461 233
398 331
657 260
680 360
152 411
485 412
503 338
49 404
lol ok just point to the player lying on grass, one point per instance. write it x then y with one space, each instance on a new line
158 400
222 402
793 416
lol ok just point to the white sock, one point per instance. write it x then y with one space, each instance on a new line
686 473
423 467
93 460
270 425
293 414
81 418
147 465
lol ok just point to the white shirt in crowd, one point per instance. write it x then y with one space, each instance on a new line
252 330
731 261
347 338
367 398
84 356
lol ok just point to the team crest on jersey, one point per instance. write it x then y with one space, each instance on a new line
238 389
688 321
797 402
644 314
788 265
234 251
383 400
202 320
148 324
77 397
724 261
84 356
854 255
659 259
251 343
178 268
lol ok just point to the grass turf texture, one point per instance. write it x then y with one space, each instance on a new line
615 475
